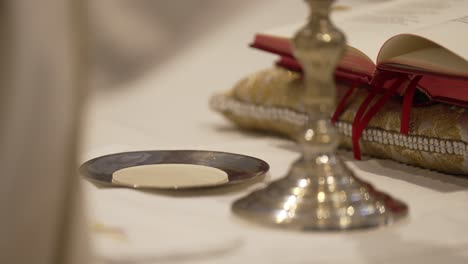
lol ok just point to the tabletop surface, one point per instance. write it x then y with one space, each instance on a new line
168 109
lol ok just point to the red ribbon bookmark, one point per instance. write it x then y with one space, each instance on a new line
408 104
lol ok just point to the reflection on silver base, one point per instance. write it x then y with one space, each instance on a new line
320 195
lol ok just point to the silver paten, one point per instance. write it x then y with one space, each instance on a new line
240 169
319 192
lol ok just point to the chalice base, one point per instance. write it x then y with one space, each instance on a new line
320 194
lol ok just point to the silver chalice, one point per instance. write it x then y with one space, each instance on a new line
319 192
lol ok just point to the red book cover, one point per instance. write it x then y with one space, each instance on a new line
438 86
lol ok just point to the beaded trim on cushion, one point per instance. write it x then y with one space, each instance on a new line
226 104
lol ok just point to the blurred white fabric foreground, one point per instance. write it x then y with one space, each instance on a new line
42 218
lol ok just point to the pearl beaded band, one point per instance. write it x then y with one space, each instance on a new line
223 103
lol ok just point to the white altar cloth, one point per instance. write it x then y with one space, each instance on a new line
168 109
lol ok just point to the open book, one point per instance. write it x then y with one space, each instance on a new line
397 46
426 38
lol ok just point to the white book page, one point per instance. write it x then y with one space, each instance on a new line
439 48
368 27
452 34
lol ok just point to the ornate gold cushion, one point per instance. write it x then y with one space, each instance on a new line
268 101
